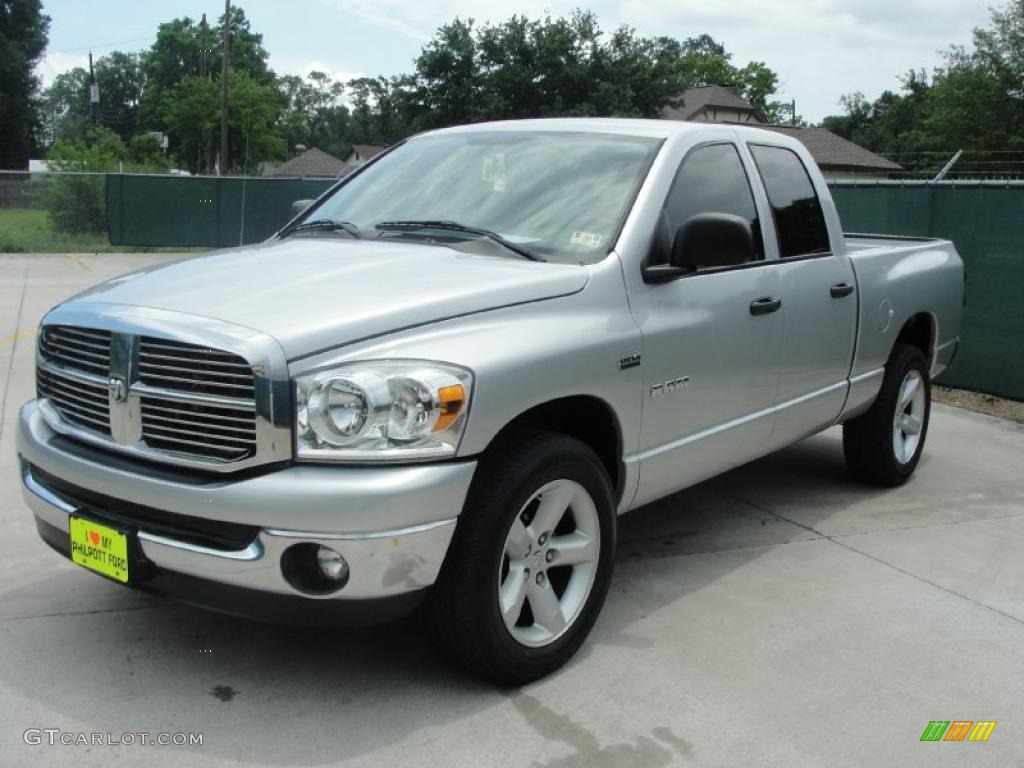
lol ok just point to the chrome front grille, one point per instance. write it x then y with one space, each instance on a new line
204 428
83 349
193 368
224 406
80 402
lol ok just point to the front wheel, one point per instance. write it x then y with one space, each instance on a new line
529 565
883 446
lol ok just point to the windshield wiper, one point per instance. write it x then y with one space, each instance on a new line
327 225
452 226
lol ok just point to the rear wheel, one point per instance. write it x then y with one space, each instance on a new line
883 445
529 565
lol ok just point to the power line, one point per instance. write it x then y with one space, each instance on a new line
105 45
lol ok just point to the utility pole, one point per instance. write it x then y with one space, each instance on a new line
203 59
792 115
224 90
94 91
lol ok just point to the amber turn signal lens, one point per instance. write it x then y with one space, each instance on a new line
452 399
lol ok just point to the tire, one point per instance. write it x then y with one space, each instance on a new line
880 446
519 485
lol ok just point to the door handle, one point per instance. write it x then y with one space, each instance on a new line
839 290
765 305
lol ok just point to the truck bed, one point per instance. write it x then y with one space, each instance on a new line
857 242
899 278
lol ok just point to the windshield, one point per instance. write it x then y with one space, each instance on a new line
560 195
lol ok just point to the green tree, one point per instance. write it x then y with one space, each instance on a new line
380 107
174 56
193 122
977 99
77 202
704 61
146 154
974 102
23 36
563 66
64 107
449 80
177 53
67 113
121 83
314 113
254 111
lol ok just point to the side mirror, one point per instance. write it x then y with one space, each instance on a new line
705 240
713 240
299 206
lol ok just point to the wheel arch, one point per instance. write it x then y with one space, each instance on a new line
589 419
919 331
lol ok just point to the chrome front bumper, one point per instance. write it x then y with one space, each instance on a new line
391 524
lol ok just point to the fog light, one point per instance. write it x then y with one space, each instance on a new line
314 569
332 565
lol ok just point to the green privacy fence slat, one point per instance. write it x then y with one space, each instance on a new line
987 226
986 223
201 211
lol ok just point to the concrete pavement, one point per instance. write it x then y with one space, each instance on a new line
779 615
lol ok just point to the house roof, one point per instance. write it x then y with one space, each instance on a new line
832 152
365 151
311 163
696 100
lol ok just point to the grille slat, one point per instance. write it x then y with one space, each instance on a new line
227 441
249 432
162 379
232 451
150 355
82 333
209 412
83 398
192 370
84 347
74 413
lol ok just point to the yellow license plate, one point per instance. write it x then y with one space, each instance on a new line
99 548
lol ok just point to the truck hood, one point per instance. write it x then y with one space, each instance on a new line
312 294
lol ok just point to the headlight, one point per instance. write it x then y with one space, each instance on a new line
377 411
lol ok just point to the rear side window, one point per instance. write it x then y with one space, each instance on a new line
795 205
712 180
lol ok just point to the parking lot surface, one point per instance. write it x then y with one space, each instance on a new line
779 615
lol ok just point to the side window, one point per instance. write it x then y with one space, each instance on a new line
795 205
712 180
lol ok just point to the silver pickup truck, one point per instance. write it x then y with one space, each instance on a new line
438 385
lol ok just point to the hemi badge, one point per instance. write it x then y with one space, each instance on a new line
632 361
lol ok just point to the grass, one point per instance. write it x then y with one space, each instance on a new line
26 230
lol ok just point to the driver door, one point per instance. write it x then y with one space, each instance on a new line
712 355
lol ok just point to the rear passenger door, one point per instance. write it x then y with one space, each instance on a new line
818 297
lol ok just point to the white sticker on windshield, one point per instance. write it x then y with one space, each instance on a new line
494 171
586 239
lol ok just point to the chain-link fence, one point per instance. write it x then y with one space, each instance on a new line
96 212
43 212
968 165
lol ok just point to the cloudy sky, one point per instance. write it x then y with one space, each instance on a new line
821 49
